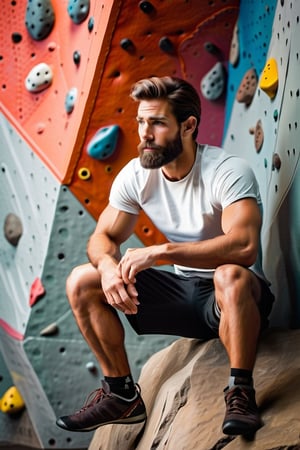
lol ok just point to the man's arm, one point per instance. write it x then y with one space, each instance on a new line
112 229
103 250
241 223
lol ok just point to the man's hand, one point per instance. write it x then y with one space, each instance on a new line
137 259
118 294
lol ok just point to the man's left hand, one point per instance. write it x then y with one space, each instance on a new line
135 260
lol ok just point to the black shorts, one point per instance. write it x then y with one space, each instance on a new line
182 306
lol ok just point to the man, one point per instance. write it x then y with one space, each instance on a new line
207 204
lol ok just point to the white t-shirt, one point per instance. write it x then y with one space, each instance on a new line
189 209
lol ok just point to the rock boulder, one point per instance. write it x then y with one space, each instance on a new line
182 386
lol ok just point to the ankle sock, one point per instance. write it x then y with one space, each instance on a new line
123 386
240 376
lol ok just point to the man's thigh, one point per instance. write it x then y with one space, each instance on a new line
175 305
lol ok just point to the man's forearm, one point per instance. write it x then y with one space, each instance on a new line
100 249
209 254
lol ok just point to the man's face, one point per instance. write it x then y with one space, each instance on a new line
159 133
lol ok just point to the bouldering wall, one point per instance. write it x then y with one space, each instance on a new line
263 128
67 126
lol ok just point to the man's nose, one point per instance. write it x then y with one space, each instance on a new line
147 133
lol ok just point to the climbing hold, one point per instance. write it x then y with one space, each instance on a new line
16 38
269 78
211 48
146 7
70 100
91 366
276 162
78 11
108 168
104 142
84 173
12 401
36 292
166 45
40 127
50 330
39 78
52 46
39 18
127 44
13 229
275 115
213 83
91 23
234 52
258 136
247 87
76 57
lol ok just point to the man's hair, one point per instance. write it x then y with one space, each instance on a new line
181 96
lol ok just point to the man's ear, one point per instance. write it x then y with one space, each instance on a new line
189 125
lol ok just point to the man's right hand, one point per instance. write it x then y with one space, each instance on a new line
119 295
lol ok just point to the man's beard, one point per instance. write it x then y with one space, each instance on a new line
160 156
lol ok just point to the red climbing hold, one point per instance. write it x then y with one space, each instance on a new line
36 292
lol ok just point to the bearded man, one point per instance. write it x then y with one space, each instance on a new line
207 204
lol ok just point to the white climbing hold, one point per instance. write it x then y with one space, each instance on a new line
70 100
91 366
49 330
213 83
39 78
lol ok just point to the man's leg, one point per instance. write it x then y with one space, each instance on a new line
97 321
237 294
119 400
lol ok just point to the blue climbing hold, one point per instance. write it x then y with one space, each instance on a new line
39 18
78 10
91 24
70 100
76 57
104 142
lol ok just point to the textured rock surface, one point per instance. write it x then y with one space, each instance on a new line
182 387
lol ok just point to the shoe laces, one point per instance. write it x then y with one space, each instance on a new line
99 394
239 401
95 397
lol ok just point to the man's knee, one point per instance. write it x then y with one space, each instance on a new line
74 284
233 283
227 274
82 285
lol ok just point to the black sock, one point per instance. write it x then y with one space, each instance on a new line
241 376
123 386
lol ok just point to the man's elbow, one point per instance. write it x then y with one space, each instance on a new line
249 255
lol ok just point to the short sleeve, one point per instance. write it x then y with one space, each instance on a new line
234 180
124 191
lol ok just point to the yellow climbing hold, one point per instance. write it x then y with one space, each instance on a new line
84 173
12 402
269 78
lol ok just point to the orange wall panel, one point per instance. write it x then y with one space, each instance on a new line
41 118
